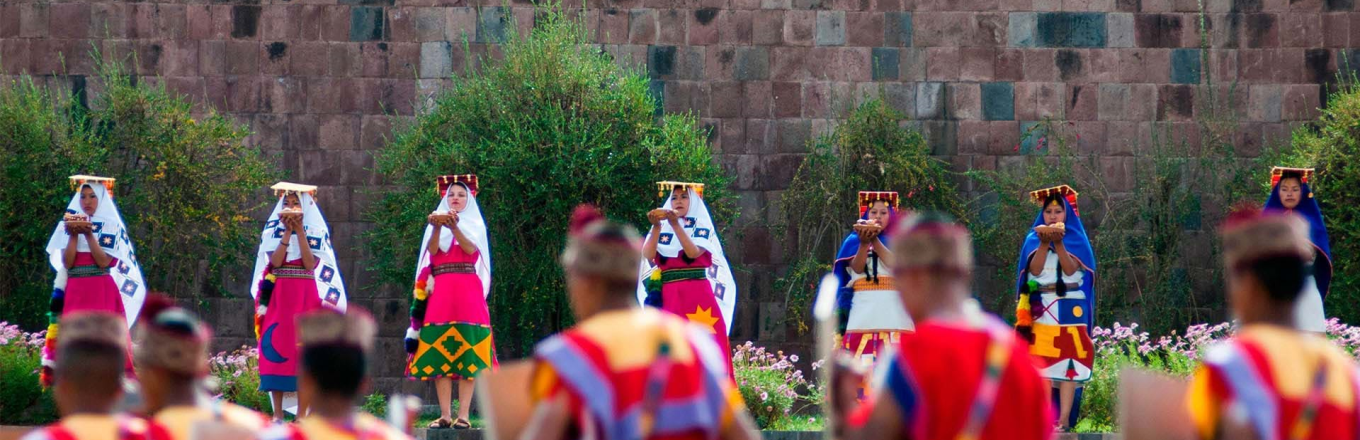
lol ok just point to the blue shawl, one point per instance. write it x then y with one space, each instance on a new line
1077 244
1308 208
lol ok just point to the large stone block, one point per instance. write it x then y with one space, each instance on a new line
1070 29
885 63
965 101
978 63
1185 66
930 100
942 63
1265 103
1021 28
70 20
897 29
788 99
436 59
494 24
735 27
830 28
366 24
998 101
752 63
1175 103
1082 103
865 29
800 28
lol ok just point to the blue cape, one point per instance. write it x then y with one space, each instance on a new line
841 268
1077 244
1317 233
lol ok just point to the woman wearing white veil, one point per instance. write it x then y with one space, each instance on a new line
295 272
448 308
96 265
691 277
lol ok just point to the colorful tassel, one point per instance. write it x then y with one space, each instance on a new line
1023 317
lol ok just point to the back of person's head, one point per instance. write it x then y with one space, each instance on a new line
932 241
91 357
601 248
171 340
1271 247
335 350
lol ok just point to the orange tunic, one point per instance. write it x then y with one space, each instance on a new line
361 427
1274 375
179 421
619 386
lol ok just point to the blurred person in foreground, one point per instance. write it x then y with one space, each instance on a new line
333 374
1272 380
88 382
963 374
626 372
172 356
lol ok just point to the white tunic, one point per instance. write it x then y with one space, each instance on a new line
1308 313
1048 277
876 307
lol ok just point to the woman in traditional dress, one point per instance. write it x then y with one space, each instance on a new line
871 312
96 265
1056 307
691 277
453 280
295 272
1290 192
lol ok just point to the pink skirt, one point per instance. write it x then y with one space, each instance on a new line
95 294
278 332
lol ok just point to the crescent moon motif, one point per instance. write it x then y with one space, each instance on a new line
267 346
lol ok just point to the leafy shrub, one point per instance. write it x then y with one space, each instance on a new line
237 378
184 183
43 143
22 400
553 124
375 404
774 389
869 151
1332 144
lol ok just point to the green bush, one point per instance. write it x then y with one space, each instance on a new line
43 141
869 151
22 400
236 376
1332 145
375 404
553 124
184 184
774 390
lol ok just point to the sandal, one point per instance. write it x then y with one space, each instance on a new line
461 424
440 424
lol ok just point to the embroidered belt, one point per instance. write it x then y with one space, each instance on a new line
674 275
292 272
1054 287
86 271
440 269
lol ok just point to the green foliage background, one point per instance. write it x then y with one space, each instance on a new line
869 151
554 124
1332 145
184 183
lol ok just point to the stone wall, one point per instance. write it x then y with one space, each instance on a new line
322 82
